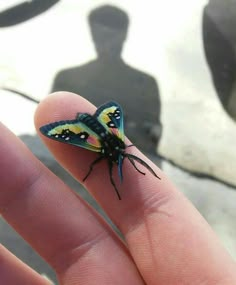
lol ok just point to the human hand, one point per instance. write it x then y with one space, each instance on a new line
166 239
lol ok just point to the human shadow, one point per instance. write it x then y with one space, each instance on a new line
219 38
108 77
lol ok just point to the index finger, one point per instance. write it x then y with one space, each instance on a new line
162 229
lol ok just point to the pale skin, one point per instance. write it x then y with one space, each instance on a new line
166 239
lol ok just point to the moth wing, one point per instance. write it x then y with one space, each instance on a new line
72 132
110 115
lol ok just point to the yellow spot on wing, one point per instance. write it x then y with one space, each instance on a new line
104 114
76 129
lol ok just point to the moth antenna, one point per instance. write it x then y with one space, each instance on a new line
134 165
91 166
133 158
110 166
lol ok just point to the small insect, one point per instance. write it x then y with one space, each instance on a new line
102 132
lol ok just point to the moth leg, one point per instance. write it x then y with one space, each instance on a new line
130 145
132 157
91 166
110 166
120 165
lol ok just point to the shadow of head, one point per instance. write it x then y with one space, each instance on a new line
109 27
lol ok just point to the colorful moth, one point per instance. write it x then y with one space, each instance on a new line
102 132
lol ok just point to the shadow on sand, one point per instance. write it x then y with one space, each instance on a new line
108 77
219 38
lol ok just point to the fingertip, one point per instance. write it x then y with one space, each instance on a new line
60 105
